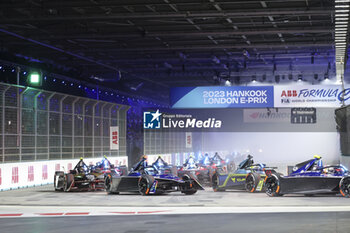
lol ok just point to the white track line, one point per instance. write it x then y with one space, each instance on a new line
66 211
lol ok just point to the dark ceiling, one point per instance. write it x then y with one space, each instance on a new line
150 45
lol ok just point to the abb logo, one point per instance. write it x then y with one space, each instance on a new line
189 139
15 177
115 137
44 176
289 93
57 167
120 162
30 173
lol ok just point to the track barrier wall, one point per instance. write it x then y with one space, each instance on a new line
28 174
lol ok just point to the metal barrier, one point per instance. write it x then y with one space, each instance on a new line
160 142
43 125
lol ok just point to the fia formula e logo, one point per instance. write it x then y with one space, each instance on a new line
151 120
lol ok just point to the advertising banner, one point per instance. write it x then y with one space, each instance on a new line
316 96
264 115
292 96
188 140
26 174
303 116
222 97
114 138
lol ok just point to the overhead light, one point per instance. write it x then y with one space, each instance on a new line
341 11
341 18
340 1
341 29
341 22
341 26
341 15
35 79
341 6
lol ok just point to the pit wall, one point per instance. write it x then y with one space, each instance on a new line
28 174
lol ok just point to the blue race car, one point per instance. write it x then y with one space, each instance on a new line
309 178
248 176
157 178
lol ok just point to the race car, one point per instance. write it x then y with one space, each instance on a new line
86 178
309 178
248 176
201 170
204 169
156 178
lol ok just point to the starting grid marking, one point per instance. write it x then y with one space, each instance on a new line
64 214
60 211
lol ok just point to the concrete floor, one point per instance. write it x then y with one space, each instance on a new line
206 211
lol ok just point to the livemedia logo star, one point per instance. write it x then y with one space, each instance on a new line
152 120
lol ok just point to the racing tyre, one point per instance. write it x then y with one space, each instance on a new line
58 181
272 185
189 192
145 184
251 182
344 186
189 182
68 181
215 183
108 184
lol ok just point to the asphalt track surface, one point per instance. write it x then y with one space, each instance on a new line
41 209
202 223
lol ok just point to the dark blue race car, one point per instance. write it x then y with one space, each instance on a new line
309 178
157 178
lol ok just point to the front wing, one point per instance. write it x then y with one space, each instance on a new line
309 185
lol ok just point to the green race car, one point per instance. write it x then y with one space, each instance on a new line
248 176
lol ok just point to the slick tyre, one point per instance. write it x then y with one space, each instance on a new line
251 182
145 184
189 181
344 186
272 185
58 181
108 184
68 182
189 192
215 183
